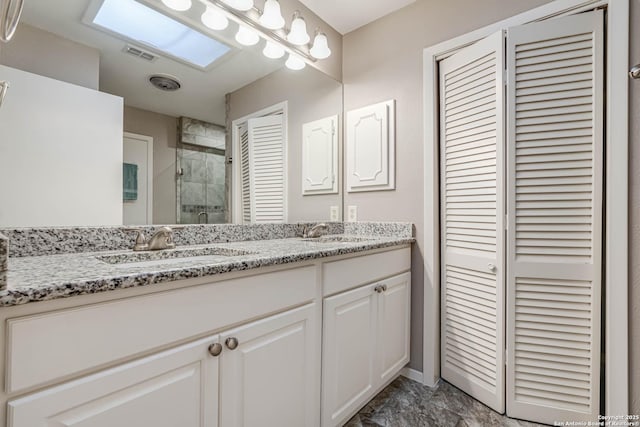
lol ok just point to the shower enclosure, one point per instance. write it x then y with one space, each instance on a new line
201 173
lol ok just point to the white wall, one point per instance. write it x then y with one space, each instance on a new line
60 154
40 52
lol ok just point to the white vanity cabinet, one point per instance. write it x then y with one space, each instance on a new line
178 387
349 359
366 333
299 346
259 374
269 372
394 326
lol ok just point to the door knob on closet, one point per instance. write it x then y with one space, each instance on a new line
492 267
215 349
231 343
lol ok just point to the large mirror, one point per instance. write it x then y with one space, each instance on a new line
206 130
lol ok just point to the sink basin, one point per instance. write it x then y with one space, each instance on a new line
208 254
337 239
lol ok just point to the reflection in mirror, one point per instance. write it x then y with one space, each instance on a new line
299 98
201 193
99 129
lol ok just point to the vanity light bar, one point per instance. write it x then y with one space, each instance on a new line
267 34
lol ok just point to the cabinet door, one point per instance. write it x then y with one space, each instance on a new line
394 325
349 346
177 387
270 377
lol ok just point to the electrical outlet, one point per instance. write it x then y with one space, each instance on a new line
352 214
334 213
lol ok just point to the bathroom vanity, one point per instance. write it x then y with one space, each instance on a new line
274 332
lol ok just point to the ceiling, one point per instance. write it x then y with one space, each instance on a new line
202 93
348 15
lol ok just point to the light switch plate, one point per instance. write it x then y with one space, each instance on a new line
334 213
352 214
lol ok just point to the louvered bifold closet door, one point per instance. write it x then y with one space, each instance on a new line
246 174
266 151
472 172
555 168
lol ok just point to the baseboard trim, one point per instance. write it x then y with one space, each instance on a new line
412 374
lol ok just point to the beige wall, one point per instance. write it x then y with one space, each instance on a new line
383 60
311 95
164 130
49 55
634 202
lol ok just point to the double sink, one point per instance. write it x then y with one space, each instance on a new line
203 254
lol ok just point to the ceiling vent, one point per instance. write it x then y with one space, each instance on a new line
135 51
165 82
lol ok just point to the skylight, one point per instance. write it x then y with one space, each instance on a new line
142 24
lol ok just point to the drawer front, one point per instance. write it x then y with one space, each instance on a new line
50 346
347 274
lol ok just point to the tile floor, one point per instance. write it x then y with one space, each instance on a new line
407 403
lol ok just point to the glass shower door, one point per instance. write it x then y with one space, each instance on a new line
201 186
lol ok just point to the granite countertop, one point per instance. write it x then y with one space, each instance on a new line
41 278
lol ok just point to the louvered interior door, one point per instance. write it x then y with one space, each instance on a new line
555 168
472 200
267 169
245 163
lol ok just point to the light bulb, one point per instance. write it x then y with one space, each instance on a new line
272 17
298 34
247 37
214 19
273 50
295 62
179 5
320 48
242 5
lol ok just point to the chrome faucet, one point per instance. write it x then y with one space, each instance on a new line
315 231
161 239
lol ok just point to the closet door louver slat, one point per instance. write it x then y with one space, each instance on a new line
555 116
472 111
267 171
246 176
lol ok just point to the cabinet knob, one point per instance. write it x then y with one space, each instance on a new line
215 349
380 288
491 267
231 343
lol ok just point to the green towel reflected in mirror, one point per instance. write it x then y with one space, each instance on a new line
129 182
